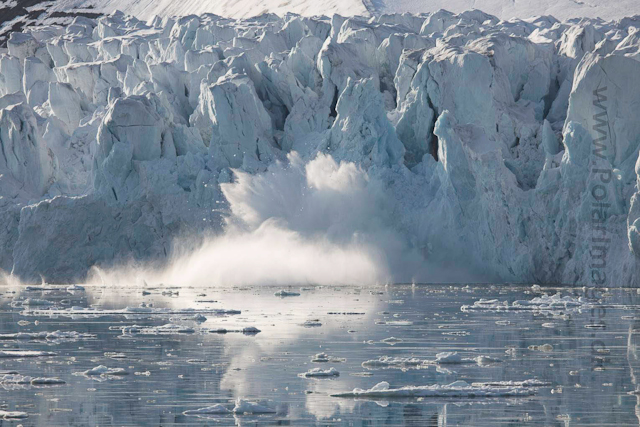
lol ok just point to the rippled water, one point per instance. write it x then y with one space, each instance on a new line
587 354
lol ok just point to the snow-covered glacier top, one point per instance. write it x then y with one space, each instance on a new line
435 147
503 9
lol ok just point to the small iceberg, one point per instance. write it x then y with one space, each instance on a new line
13 415
325 358
321 373
249 408
104 371
312 323
283 294
453 358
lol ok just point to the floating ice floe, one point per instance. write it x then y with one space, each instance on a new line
105 372
248 407
13 415
168 329
544 303
444 358
175 329
31 302
525 383
249 330
487 360
53 288
217 409
320 358
53 336
312 323
114 355
454 390
242 407
324 358
128 312
542 347
283 293
41 288
451 358
321 373
595 326
391 340
395 362
457 333
12 381
17 354
395 322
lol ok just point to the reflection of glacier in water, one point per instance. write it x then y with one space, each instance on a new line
158 356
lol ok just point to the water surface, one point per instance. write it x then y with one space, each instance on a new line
587 355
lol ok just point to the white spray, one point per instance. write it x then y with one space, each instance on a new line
296 223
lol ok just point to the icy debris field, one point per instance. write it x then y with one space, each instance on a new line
496 150
172 367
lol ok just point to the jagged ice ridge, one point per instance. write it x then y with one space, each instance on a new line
504 148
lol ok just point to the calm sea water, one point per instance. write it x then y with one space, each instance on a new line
589 357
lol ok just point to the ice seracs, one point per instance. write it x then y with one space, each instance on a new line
477 133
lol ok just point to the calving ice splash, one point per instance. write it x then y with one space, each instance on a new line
436 147
315 222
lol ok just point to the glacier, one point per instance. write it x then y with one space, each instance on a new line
429 147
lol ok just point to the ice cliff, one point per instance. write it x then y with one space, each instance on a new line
508 149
